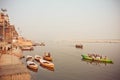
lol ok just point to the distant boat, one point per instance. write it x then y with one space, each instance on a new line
39 44
46 63
32 65
42 44
79 46
35 44
27 48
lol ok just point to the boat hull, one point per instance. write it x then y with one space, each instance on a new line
27 48
32 65
79 46
46 63
37 58
47 58
86 57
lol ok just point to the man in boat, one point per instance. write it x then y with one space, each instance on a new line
49 54
90 55
105 57
98 57
93 58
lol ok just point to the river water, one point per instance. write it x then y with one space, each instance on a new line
70 66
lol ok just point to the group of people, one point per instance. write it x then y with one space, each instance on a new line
3 49
96 56
47 54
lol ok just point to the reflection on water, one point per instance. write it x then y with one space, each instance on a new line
48 68
95 62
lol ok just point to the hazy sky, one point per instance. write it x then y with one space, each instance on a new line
65 19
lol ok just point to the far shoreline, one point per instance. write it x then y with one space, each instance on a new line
92 41
100 41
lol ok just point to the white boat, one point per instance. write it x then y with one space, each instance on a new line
37 57
32 65
46 63
29 58
27 48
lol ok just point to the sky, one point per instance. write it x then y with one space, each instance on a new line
65 19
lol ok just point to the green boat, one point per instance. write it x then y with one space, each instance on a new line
86 57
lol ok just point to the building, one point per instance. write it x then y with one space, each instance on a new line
7 31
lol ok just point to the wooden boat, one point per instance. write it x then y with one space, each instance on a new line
48 68
95 62
27 48
38 44
96 59
32 65
47 57
46 63
31 69
29 58
42 44
37 58
79 46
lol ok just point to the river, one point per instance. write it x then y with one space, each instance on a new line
70 66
